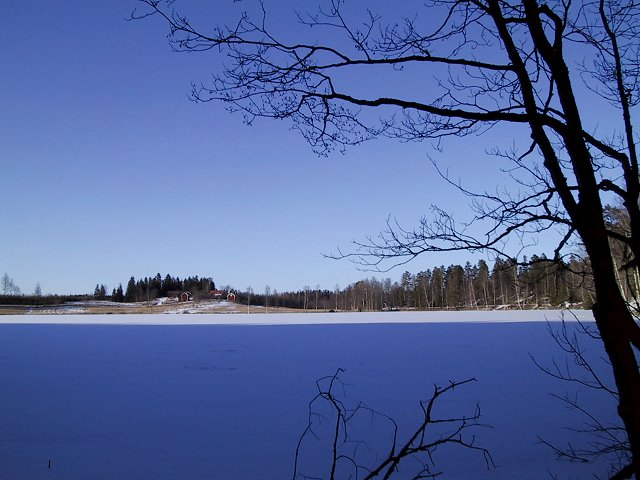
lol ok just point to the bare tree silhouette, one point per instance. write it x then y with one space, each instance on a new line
532 64
404 456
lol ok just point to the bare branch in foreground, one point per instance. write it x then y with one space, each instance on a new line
365 459
597 438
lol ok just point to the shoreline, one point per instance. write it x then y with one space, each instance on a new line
237 318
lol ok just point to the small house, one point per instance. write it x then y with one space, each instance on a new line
186 297
231 297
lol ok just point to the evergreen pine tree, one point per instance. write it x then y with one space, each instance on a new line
130 294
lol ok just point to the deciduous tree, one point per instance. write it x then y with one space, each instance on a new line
8 285
543 68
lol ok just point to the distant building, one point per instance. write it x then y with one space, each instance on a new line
231 297
186 297
217 294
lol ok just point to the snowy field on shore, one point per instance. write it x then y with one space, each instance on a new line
226 396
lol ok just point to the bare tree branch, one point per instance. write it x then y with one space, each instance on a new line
432 433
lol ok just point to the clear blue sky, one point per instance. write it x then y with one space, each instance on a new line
107 170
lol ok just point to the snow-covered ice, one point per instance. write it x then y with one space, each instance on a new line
177 317
226 396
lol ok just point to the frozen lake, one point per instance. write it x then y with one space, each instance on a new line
140 397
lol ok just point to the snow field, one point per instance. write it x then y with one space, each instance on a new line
310 318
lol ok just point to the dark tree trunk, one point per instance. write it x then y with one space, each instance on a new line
616 326
614 321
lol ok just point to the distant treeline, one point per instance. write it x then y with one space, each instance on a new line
528 283
42 299
540 282
149 288
537 282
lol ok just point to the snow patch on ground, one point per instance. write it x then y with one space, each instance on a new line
204 307
101 303
57 310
